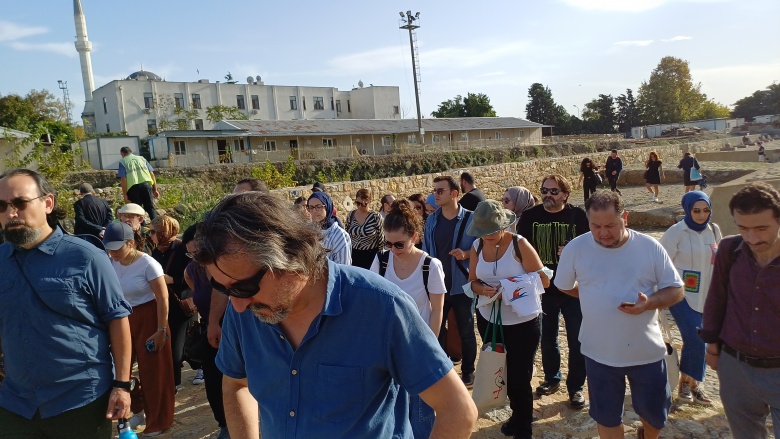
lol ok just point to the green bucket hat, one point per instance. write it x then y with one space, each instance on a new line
489 217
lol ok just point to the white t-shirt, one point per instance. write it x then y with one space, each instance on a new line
607 277
414 286
135 278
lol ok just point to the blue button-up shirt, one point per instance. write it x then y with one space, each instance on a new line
429 246
55 337
350 374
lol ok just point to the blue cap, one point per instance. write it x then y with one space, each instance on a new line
116 235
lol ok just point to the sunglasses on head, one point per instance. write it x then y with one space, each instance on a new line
399 245
242 289
553 191
18 203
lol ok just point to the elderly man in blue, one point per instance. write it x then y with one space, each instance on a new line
62 319
325 350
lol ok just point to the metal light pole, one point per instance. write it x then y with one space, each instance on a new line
409 25
66 98
578 111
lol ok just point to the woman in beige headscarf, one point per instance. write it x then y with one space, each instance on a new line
517 199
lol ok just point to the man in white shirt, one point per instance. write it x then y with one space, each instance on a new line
620 336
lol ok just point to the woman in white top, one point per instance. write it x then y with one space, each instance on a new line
403 266
691 244
144 288
335 238
498 260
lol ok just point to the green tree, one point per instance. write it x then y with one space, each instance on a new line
217 113
670 95
627 115
473 105
761 102
599 114
23 113
541 107
229 78
711 110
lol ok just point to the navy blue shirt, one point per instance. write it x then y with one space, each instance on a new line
55 338
350 374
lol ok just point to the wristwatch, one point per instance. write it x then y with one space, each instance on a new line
126 385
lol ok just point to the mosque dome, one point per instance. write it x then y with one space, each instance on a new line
143 75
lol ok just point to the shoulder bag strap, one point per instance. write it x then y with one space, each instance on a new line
456 244
384 258
426 268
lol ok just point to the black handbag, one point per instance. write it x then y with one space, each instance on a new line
196 343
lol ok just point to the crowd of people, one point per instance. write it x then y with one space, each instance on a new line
307 326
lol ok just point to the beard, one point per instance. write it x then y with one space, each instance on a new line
20 236
277 314
549 202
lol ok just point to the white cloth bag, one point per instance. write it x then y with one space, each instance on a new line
490 378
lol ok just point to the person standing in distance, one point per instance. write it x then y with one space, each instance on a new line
136 177
613 168
471 194
92 213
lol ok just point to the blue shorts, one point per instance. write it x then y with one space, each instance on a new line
650 393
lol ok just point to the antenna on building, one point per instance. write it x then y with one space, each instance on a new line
250 80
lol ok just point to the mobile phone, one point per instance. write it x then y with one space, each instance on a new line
150 345
627 303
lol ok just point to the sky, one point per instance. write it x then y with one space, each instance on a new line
578 48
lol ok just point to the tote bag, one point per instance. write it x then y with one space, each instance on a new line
490 378
695 175
671 357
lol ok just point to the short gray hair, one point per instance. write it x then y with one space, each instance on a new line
603 200
266 230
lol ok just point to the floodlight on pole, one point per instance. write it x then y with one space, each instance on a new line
63 85
578 111
409 24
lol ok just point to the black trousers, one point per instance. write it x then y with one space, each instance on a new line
142 194
463 306
613 179
178 325
213 382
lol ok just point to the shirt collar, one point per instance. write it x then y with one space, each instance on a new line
332 305
48 246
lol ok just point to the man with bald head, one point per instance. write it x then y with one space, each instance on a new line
92 213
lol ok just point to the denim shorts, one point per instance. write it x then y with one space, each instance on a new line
650 393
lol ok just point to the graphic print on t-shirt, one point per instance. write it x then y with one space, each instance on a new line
547 237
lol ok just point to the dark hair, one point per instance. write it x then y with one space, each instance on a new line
604 199
385 199
300 201
650 158
562 182
583 165
454 186
419 198
403 217
44 188
467 177
364 194
86 188
125 150
189 234
254 183
614 151
755 198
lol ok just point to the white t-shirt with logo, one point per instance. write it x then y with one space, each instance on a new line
414 286
135 278
607 277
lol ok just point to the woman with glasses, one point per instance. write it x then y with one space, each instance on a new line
133 215
144 288
336 240
517 199
404 265
365 230
172 256
692 243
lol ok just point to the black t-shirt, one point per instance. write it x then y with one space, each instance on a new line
443 235
547 231
471 199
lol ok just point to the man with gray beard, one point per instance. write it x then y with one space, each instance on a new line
325 350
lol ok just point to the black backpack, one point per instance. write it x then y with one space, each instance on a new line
384 258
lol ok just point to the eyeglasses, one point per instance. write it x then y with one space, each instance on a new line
152 232
506 200
190 255
242 289
18 203
315 207
360 204
553 191
438 191
399 245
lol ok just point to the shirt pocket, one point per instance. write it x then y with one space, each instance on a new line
344 381
58 295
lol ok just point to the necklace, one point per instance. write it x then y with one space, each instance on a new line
124 267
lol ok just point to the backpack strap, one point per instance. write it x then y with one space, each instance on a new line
384 258
426 268
515 240
480 246
456 244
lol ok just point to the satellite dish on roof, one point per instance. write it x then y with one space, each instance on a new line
360 83
258 78
250 80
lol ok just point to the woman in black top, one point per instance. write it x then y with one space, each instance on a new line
588 177
654 174
365 230
687 163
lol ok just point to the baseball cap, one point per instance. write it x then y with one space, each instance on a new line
116 235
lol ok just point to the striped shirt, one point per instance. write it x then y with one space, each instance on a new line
366 236
337 241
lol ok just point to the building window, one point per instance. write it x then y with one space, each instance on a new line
464 137
255 102
303 100
240 102
196 101
105 106
436 138
178 99
179 148
293 103
318 103
332 105
270 145
151 126
238 145
328 143
108 128
338 106
349 107
199 124
396 110
386 141
497 135
148 101
412 138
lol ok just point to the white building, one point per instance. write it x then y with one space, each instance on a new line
767 118
719 125
144 104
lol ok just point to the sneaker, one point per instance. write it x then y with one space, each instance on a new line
223 433
198 377
137 420
655 199
577 400
548 388
684 394
468 380
699 397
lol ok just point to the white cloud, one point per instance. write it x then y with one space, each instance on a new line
65 49
727 84
628 5
640 43
12 31
677 38
372 60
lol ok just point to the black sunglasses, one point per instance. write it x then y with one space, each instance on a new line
399 245
553 191
19 203
242 289
360 204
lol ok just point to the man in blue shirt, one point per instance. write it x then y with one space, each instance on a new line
62 319
325 350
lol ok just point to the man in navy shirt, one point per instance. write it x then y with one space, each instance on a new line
325 350
62 319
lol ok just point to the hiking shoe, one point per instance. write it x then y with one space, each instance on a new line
198 377
655 199
685 394
223 433
577 400
508 429
468 380
699 397
548 388
137 420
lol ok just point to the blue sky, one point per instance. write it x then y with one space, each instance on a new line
579 48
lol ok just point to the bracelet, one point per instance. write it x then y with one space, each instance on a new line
163 329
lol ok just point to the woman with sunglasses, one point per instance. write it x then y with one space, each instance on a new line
335 239
365 230
144 288
405 264
517 199
172 256
692 243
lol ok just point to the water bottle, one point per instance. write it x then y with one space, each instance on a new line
125 432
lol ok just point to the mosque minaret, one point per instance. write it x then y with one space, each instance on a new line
84 47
